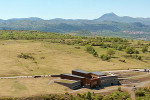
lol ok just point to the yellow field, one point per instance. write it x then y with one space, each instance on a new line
52 58
29 87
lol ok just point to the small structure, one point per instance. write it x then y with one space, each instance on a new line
90 79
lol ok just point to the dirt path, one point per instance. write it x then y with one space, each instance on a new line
15 77
51 81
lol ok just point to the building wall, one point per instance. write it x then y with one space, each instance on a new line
109 81
95 83
88 75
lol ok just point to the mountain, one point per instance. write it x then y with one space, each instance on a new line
30 18
126 19
109 24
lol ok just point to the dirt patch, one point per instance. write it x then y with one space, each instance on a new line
129 81
146 78
128 74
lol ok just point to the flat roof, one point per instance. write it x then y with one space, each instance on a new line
81 71
73 75
98 73
67 81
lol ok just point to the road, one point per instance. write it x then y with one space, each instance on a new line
15 77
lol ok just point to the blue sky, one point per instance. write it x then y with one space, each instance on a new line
72 9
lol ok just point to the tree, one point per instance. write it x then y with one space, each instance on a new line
145 49
129 50
110 52
91 50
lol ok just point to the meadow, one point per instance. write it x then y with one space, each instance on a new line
55 58
25 53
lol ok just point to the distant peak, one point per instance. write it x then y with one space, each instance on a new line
110 14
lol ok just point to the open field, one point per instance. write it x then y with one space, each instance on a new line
29 86
53 58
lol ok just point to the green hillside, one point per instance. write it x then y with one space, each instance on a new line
107 25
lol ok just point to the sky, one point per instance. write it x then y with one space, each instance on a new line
72 9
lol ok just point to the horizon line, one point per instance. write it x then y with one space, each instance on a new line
68 18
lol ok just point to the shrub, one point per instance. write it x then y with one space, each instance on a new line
122 60
91 50
77 47
119 48
110 52
95 54
98 97
139 58
145 49
25 56
136 52
119 88
140 93
88 95
129 50
104 57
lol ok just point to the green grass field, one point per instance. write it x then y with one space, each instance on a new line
54 58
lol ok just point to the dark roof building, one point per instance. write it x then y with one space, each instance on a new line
97 73
81 71
73 75
92 79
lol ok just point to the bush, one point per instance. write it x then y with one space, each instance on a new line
98 97
91 50
104 57
122 60
95 54
145 49
110 52
77 47
129 50
25 56
139 58
140 93
88 95
118 96
136 52
119 88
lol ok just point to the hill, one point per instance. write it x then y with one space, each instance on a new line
126 19
107 25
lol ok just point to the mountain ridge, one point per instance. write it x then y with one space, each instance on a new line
109 24
105 17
